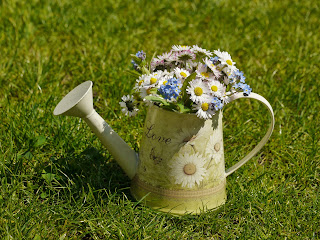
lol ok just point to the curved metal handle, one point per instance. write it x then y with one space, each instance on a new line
263 140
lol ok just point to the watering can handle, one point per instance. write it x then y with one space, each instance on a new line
263 140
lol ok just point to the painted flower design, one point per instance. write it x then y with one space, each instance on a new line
188 169
214 147
187 135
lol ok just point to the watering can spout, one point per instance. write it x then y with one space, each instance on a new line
79 103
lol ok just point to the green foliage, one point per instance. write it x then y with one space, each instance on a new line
58 182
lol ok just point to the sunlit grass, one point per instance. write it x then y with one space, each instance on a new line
58 182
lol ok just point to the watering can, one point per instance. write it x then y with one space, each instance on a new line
180 167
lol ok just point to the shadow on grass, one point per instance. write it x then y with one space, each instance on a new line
91 171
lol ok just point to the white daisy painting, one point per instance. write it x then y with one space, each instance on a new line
188 169
214 147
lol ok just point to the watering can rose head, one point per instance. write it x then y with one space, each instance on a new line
186 80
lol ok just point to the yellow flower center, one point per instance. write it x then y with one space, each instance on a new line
164 83
141 81
229 62
205 106
189 169
148 91
183 74
153 80
198 91
205 74
214 88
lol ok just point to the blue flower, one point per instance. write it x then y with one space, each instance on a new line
141 55
214 60
244 87
246 90
171 89
216 103
135 66
237 76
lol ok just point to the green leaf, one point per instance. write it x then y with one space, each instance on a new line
183 108
154 54
136 59
157 99
49 177
63 236
133 73
37 237
185 85
153 90
145 70
43 195
40 141
28 155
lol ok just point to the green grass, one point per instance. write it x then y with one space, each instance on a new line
58 182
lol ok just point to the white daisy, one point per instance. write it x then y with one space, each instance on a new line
226 80
150 80
128 106
140 82
191 66
204 109
155 62
185 55
165 77
143 92
178 48
188 170
226 98
202 71
216 88
168 56
229 70
198 90
212 67
215 146
200 50
226 60
181 73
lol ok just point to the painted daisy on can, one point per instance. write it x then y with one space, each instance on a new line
186 79
188 169
214 147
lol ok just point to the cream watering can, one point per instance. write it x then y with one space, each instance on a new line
180 167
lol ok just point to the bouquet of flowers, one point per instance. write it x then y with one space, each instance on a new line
186 79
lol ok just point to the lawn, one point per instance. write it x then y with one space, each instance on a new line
59 182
